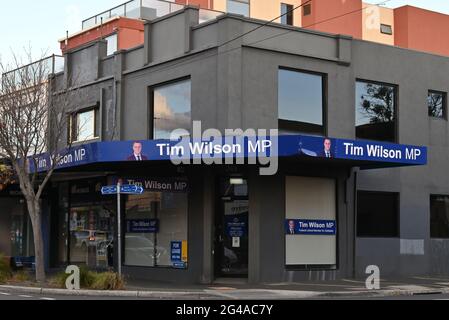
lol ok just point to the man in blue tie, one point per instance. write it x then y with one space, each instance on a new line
327 152
137 153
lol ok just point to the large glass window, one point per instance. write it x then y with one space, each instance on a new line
377 214
436 102
91 234
238 7
301 102
171 108
154 221
439 216
287 14
375 106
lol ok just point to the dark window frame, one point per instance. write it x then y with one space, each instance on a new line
396 107
398 207
386 29
291 125
444 102
430 216
307 10
287 17
151 120
72 124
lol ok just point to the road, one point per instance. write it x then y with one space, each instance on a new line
26 296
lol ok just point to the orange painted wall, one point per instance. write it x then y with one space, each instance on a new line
324 12
130 34
206 4
422 30
373 17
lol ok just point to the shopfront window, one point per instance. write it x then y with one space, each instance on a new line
155 222
90 224
91 233
439 216
377 214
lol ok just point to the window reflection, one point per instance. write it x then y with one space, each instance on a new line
153 221
172 108
436 103
375 111
300 102
238 7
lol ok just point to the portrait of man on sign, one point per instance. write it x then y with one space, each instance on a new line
137 153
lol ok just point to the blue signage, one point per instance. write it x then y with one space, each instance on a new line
142 226
236 147
310 227
176 251
131 189
236 225
124 189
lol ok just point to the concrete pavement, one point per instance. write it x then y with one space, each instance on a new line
238 290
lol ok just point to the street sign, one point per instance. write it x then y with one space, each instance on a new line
131 189
118 190
125 189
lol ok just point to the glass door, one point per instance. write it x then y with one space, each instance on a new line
231 229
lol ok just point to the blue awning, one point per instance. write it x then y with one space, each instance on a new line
367 153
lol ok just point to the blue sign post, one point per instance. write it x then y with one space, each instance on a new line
118 190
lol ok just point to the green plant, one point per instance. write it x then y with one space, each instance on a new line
87 277
5 270
108 281
21 276
59 279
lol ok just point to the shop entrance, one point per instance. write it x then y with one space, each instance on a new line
231 228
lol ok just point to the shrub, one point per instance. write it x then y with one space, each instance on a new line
108 281
59 279
5 270
87 277
92 280
21 276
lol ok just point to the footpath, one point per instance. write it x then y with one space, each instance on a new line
238 290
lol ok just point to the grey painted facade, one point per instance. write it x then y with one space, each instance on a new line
234 85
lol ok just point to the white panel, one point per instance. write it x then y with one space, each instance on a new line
314 199
412 247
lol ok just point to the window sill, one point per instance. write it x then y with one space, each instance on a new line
77 143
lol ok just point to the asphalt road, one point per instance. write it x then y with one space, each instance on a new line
5 296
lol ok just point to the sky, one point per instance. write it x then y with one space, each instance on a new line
40 23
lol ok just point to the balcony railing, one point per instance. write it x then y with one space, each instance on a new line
145 10
44 67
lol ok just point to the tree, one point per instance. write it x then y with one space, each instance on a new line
33 122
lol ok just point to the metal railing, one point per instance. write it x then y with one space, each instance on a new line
46 66
144 9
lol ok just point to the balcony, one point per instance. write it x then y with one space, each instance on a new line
41 68
144 10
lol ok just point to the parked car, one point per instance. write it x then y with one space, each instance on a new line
139 250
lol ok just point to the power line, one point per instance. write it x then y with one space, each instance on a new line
326 20
266 23
181 63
